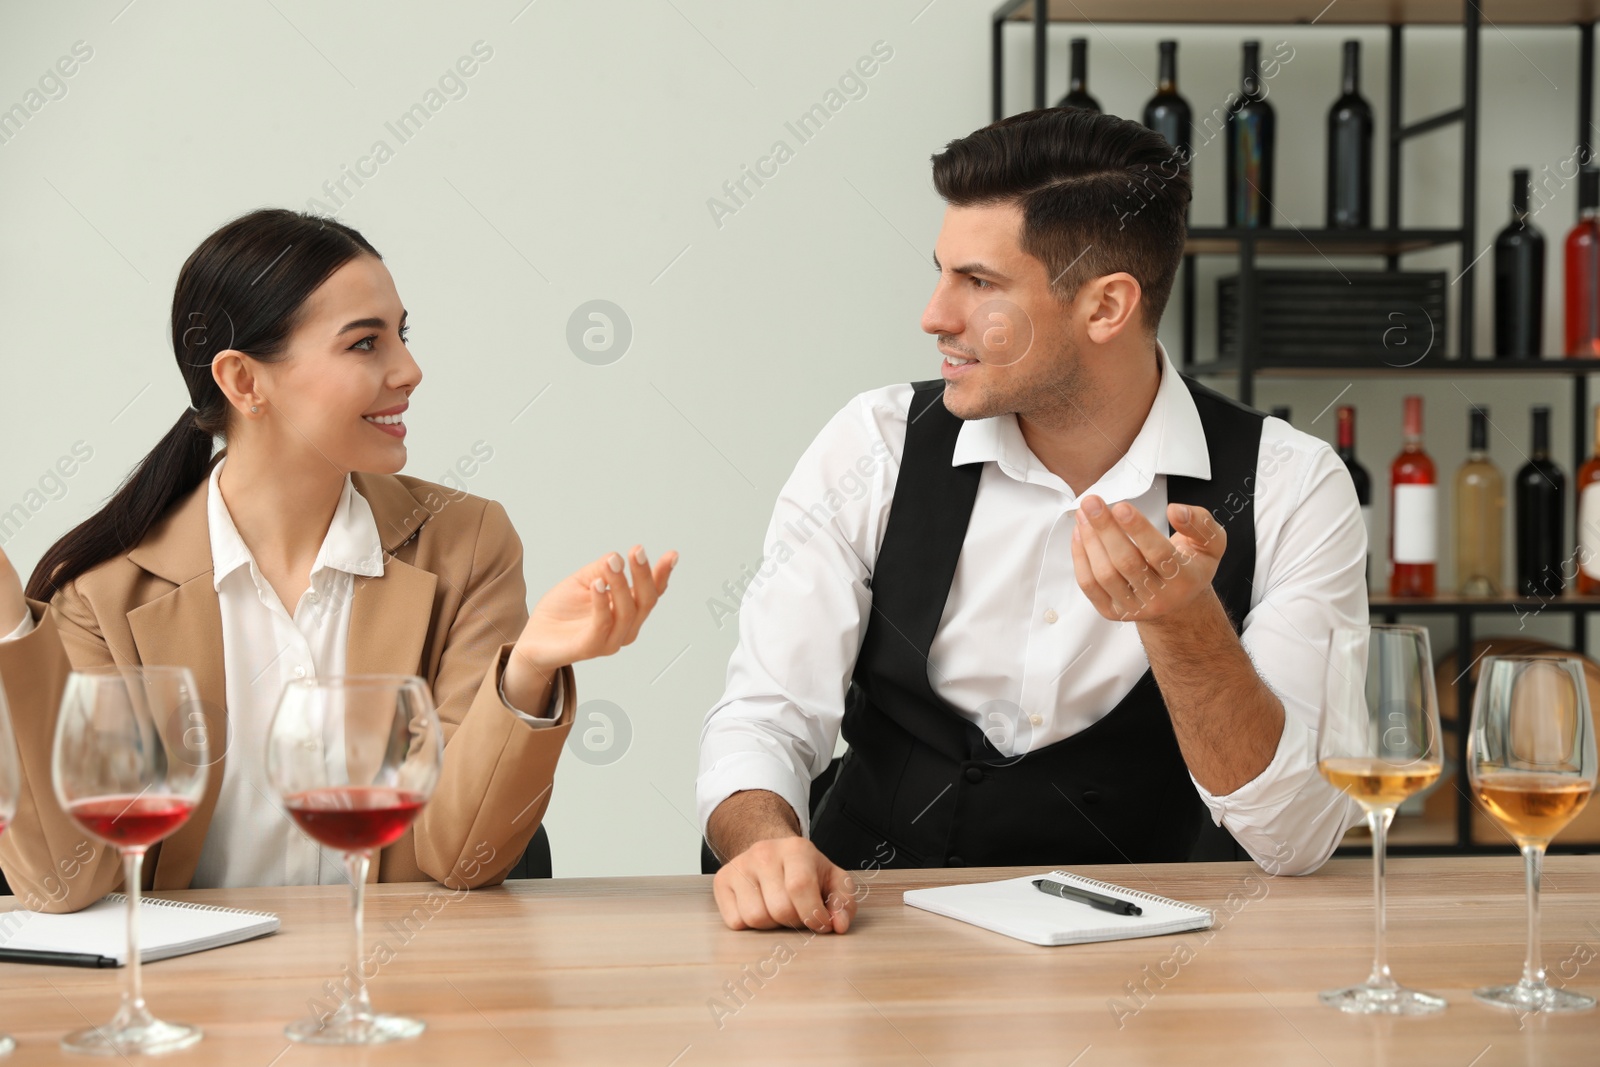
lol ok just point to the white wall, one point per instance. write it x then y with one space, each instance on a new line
578 166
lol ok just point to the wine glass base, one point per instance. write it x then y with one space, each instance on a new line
1383 1000
354 1030
148 1038
1530 998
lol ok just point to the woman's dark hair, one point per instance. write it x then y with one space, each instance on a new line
243 289
1098 195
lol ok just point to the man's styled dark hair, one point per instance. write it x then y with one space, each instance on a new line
1098 195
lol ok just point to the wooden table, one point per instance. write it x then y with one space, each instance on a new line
638 971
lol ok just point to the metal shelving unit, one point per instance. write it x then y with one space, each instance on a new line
1392 241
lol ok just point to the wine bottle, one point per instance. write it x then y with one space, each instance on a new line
1358 475
1350 150
1167 113
1413 512
1480 515
1281 412
1252 137
1588 539
1583 270
1519 279
1078 83
1541 491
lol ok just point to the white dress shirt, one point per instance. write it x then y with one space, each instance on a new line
251 840
1020 651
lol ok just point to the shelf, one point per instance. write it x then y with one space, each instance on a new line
1302 12
1290 241
1522 605
1338 367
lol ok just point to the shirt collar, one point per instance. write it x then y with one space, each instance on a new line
351 543
1171 441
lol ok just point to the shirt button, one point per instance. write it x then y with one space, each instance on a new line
1051 616
1037 720
312 596
299 672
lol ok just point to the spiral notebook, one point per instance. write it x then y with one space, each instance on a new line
1014 907
167 928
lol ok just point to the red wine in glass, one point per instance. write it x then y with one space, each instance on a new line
131 821
355 818
354 759
129 767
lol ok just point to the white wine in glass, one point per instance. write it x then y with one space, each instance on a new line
129 768
1379 743
1531 760
355 758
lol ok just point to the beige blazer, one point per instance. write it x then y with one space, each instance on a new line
449 605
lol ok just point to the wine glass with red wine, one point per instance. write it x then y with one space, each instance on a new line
354 758
129 765
10 782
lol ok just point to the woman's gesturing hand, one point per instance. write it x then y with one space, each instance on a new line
595 611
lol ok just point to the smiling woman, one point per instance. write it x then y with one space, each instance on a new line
299 550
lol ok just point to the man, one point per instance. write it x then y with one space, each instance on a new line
976 577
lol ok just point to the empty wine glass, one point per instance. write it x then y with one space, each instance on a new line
1531 760
129 766
1379 743
355 758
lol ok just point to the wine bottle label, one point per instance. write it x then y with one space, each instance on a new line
1416 530
1589 530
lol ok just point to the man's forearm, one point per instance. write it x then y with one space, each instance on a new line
1227 720
746 817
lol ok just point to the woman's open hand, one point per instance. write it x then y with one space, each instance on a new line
595 611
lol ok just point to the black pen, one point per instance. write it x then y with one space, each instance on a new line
56 959
1084 896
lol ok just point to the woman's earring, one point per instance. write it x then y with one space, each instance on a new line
254 408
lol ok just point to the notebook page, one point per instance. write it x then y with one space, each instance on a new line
167 928
1015 908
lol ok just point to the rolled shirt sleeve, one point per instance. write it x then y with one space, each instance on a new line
1313 544
552 713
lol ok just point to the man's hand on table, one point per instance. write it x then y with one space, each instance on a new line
775 877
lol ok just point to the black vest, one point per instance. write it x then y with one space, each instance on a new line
921 786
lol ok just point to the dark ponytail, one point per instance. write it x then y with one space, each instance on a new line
242 289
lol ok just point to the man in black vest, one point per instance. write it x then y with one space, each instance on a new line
1066 605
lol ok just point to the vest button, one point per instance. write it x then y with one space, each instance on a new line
955 861
974 775
1091 796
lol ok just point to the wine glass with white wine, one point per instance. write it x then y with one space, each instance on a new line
1379 743
1531 760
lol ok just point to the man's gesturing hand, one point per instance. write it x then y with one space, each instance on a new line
1131 572
784 881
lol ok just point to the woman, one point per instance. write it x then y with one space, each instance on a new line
297 550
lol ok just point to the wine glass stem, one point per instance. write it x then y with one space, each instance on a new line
1379 822
132 873
356 864
1533 967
